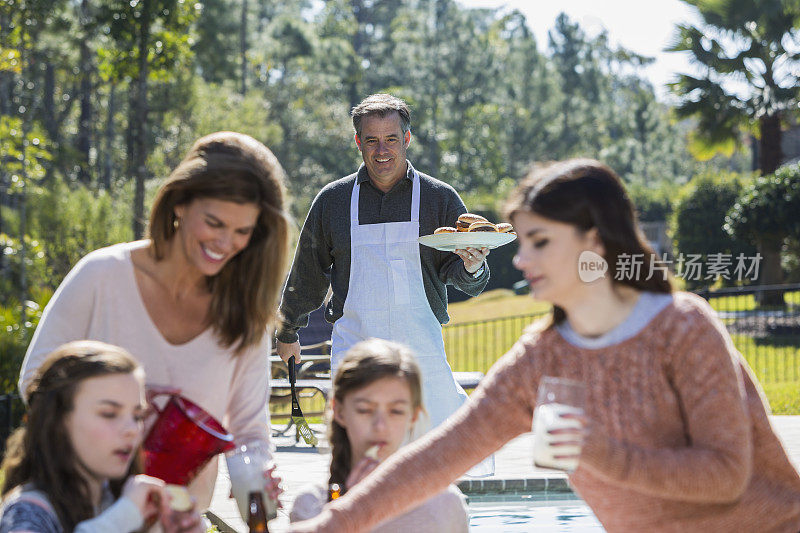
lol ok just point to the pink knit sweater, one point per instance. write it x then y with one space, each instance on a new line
679 441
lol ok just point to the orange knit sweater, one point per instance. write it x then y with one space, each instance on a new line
680 438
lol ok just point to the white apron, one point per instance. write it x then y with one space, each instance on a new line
386 299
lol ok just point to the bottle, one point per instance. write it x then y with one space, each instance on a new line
256 516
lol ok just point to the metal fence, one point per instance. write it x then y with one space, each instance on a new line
475 346
763 321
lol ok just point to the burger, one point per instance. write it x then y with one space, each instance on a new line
445 229
464 221
482 226
505 227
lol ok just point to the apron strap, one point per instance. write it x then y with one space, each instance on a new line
415 188
415 197
354 204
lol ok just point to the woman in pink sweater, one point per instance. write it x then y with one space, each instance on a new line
193 302
676 436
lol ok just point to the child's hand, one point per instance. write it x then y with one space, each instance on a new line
272 484
360 471
182 521
148 494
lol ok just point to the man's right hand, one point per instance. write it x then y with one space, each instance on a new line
285 351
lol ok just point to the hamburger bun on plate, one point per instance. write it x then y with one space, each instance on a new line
445 229
482 226
464 221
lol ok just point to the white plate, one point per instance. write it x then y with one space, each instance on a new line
447 242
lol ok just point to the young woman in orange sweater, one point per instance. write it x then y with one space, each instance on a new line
676 435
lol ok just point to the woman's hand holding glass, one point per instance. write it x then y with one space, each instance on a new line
251 469
560 424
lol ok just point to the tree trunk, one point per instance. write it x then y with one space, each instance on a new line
130 149
243 48
108 162
357 42
436 153
6 77
83 143
3 199
6 92
23 248
770 152
140 129
27 119
770 155
49 103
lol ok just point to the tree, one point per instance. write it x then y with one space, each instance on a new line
699 217
766 214
24 156
151 41
741 43
524 97
582 87
218 40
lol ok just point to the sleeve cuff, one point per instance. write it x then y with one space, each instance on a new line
128 513
287 336
480 272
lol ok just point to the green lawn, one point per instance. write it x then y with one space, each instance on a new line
784 398
498 303
747 302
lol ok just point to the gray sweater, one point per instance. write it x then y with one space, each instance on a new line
28 509
322 258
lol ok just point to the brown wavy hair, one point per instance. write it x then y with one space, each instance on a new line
41 452
365 363
587 194
233 167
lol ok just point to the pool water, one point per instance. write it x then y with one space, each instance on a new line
529 512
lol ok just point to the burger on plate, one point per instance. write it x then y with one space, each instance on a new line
482 226
505 227
464 221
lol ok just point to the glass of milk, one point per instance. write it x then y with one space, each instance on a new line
246 465
557 397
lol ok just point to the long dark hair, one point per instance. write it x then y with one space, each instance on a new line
365 363
587 194
41 451
233 167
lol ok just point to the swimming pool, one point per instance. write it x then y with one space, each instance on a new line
545 512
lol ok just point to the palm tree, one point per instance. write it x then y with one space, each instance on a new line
749 53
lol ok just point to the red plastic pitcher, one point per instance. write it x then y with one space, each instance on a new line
182 440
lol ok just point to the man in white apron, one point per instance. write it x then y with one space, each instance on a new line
386 294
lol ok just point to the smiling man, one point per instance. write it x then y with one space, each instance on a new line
360 239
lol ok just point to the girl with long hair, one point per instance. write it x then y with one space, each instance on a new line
676 434
72 466
196 299
377 398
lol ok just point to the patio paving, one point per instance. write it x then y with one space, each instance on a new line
300 464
